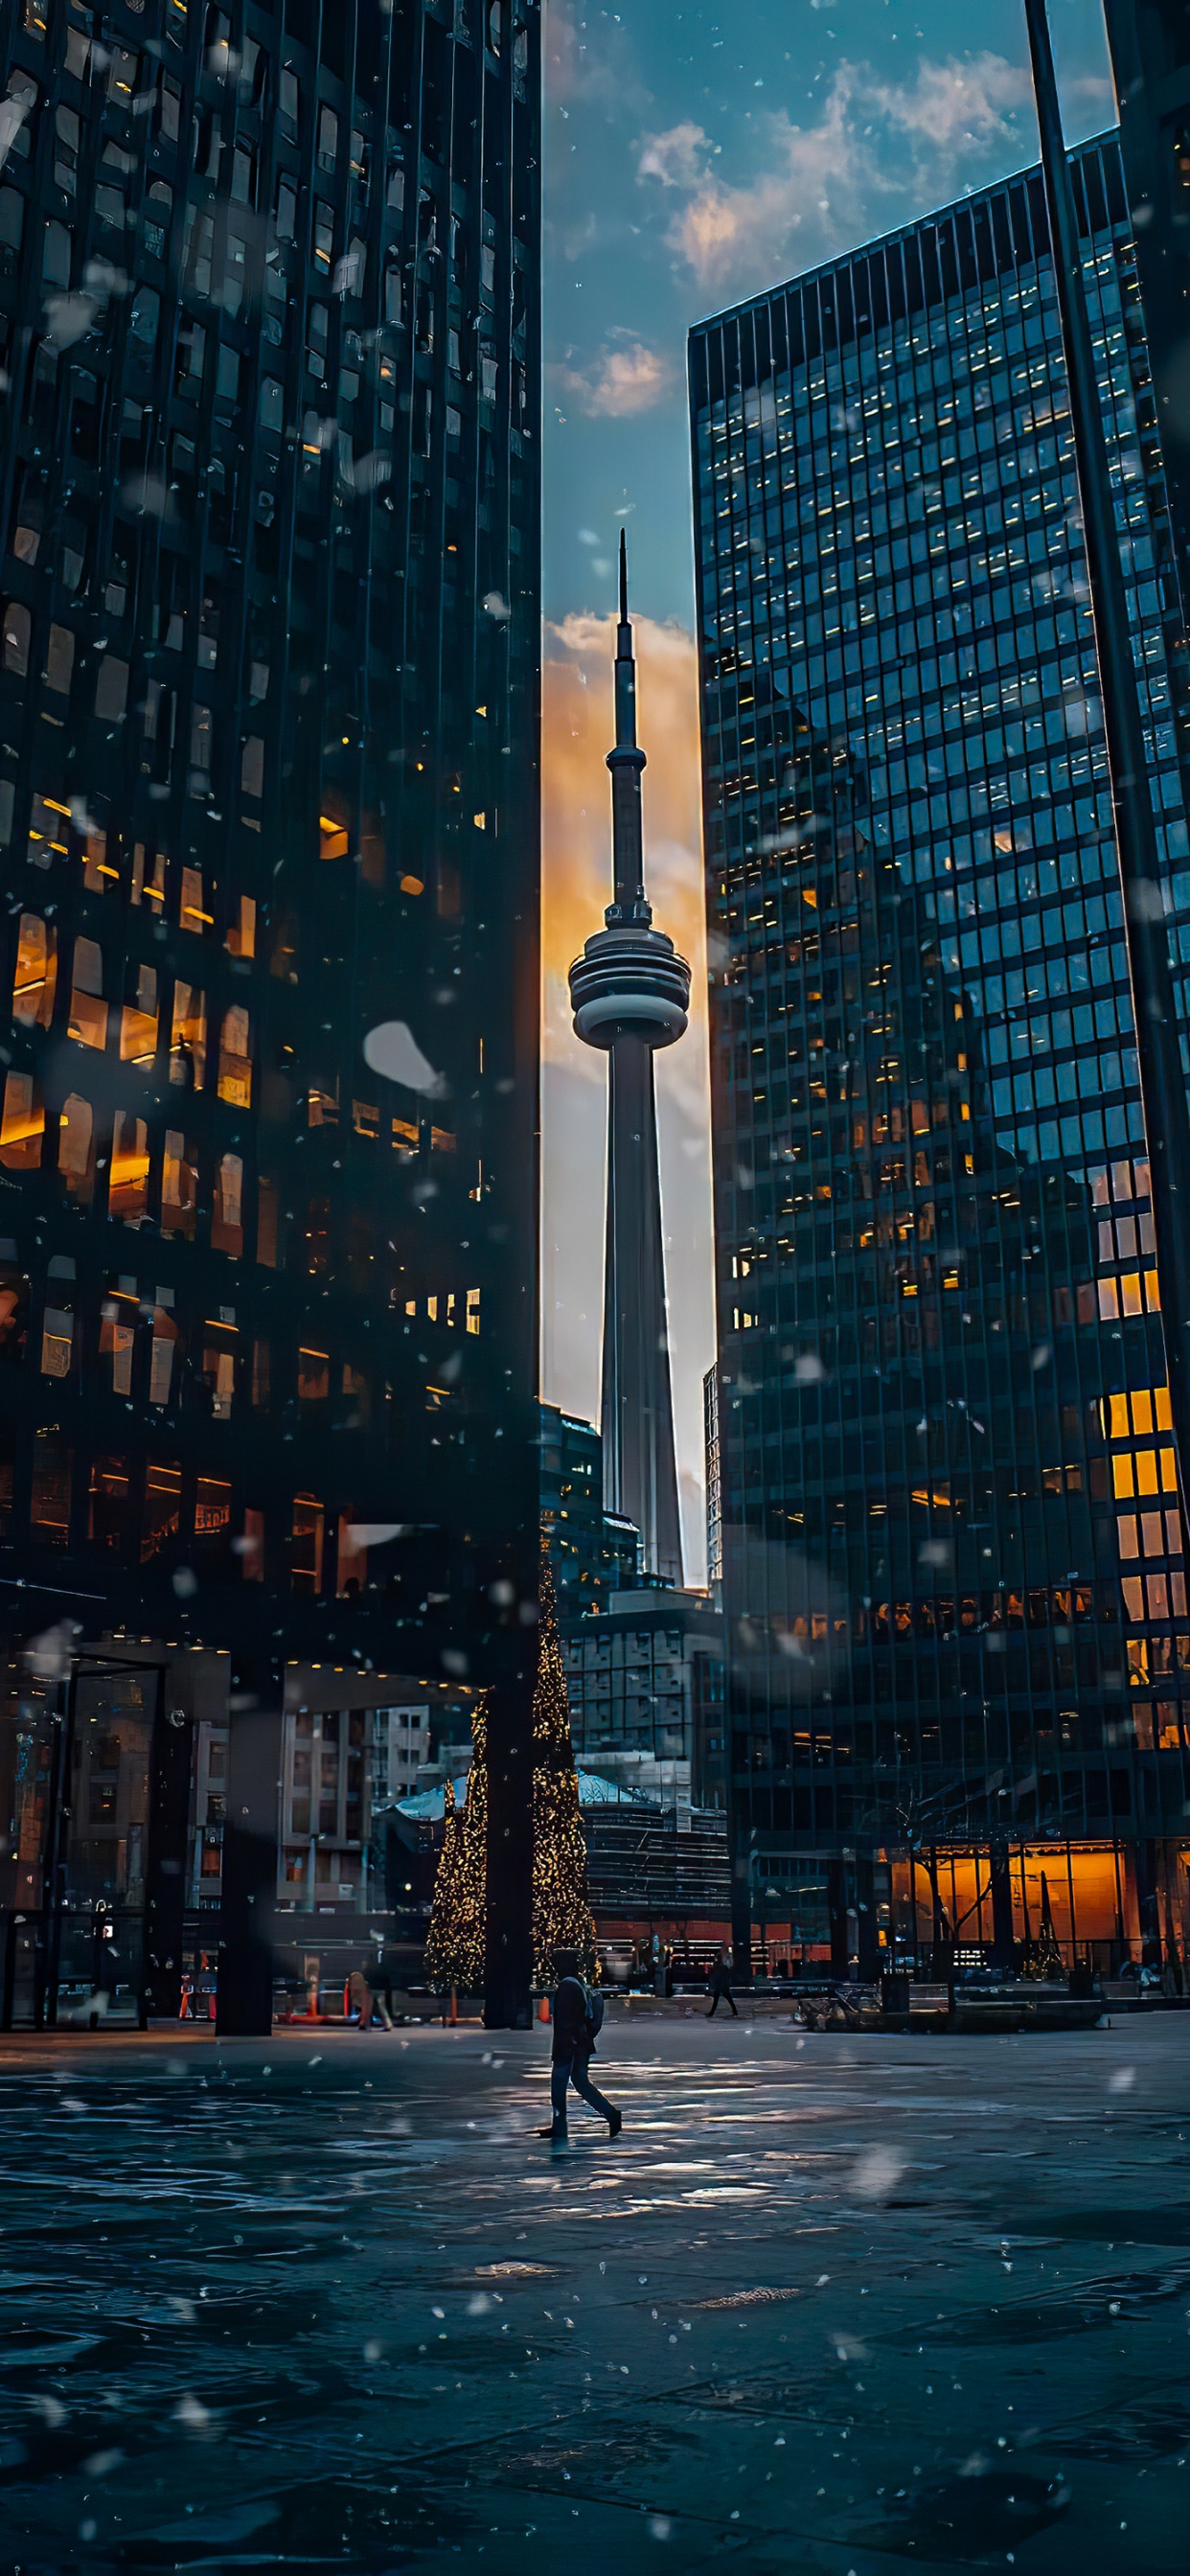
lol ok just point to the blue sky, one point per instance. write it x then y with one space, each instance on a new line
699 152
696 154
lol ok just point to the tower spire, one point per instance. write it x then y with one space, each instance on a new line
631 993
626 762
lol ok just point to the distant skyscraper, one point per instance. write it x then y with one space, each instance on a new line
269 803
630 992
1150 48
953 1564
710 1433
591 1551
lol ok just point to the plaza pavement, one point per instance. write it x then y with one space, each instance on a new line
829 2304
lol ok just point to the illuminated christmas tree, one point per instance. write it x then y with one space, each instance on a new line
454 1949
562 1918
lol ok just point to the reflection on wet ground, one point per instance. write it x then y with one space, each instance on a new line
831 2304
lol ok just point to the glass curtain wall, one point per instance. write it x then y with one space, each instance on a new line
952 1554
268 813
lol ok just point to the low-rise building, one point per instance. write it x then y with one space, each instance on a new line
592 1551
645 1681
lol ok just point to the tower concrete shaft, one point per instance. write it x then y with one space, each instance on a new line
630 993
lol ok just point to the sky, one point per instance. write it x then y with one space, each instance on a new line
696 154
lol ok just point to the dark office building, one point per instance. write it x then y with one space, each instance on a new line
592 1551
710 1434
1150 49
644 1677
268 801
953 1563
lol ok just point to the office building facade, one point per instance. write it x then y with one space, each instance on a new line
644 1678
268 799
1150 52
591 1550
953 1567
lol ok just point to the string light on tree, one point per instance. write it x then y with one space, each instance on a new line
454 1949
562 1916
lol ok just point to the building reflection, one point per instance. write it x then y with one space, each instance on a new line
953 1561
268 805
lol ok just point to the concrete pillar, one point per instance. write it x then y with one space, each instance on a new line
244 2003
165 1856
508 1964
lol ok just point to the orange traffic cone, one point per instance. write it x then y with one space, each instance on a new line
543 2009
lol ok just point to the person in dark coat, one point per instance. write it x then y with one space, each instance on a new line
573 2049
721 1987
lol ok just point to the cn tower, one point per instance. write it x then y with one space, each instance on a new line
630 993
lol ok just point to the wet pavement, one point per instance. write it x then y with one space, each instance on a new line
829 2303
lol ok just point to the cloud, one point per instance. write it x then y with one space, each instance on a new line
819 186
625 377
577 727
594 67
677 158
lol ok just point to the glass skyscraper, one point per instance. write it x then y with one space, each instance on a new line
268 810
953 1563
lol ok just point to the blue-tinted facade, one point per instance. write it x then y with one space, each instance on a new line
953 1568
269 658
268 761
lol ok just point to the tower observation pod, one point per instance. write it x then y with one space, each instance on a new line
630 993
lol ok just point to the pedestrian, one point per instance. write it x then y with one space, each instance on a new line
721 1987
359 1994
577 2020
380 1987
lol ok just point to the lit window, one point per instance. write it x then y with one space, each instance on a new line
179 1184
188 1042
332 825
88 1011
307 1544
161 1516
148 876
235 1068
212 1516
57 1342
161 1366
117 1341
219 1374
76 1148
227 1219
36 973
138 1026
128 1195
22 1123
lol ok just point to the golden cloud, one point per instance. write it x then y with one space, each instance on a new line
577 731
625 378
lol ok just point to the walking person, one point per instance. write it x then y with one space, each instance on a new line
359 1994
721 1987
380 1987
577 2020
